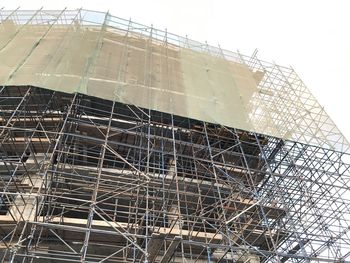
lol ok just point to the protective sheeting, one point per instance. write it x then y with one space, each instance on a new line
100 55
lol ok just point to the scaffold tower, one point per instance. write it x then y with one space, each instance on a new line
120 142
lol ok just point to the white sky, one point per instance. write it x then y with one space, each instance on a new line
311 36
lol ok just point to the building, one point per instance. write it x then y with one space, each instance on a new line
120 142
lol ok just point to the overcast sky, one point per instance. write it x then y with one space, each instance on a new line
311 36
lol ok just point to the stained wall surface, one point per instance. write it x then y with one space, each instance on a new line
137 66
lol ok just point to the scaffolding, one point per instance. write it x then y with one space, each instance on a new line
104 56
91 177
